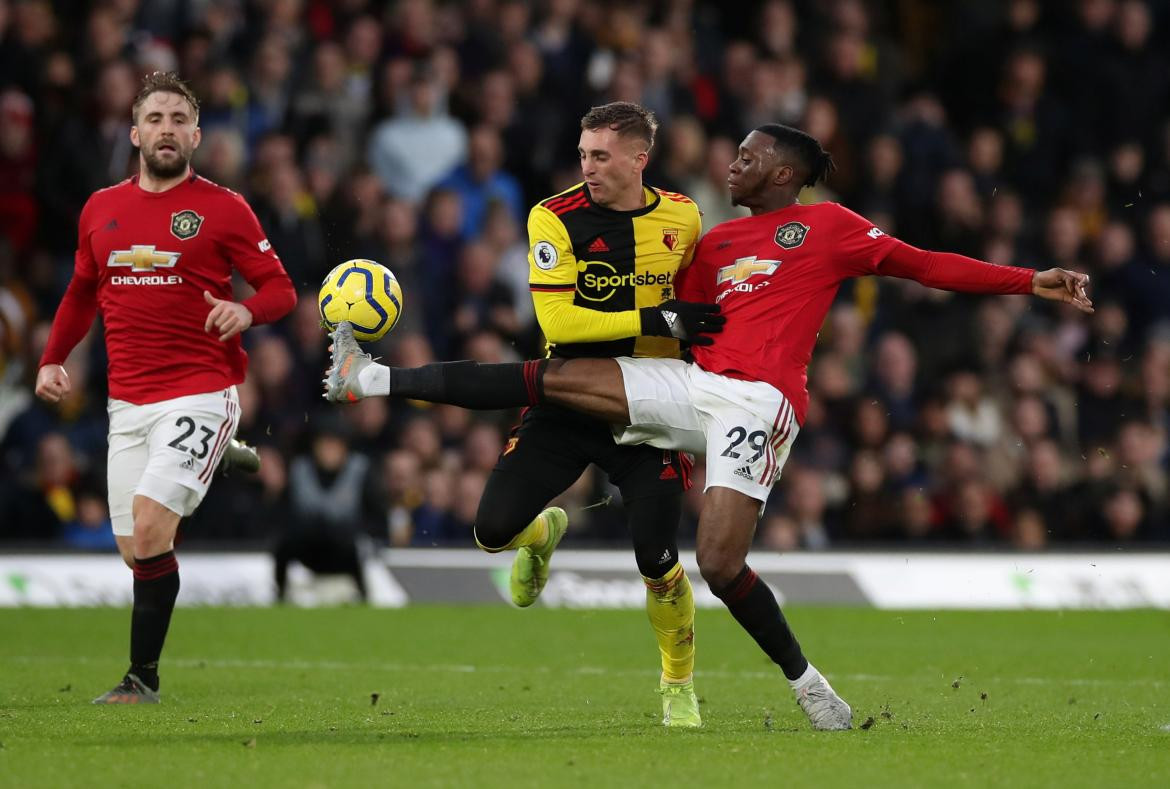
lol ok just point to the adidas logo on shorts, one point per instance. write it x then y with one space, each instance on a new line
745 472
188 464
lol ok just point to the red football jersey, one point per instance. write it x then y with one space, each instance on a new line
152 254
775 276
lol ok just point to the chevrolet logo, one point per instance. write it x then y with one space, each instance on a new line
743 268
143 257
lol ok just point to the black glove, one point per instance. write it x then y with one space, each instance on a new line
684 320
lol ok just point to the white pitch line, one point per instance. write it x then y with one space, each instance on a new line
337 665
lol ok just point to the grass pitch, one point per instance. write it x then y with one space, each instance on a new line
491 696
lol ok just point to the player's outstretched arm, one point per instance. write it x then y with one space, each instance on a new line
229 318
950 271
1058 284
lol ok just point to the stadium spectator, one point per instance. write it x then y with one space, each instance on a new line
90 529
18 168
336 101
328 506
481 181
413 150
38 506
802 522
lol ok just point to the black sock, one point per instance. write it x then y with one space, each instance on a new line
472 385
754 606
156 585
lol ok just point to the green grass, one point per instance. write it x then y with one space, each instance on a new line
499 697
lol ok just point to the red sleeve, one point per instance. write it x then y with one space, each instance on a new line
274 298
689 283
78 307
252 255
858 244
948 271
74 317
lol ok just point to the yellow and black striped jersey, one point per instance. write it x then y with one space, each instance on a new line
592 268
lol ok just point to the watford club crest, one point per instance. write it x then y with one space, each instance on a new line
670 237
791 235
185 224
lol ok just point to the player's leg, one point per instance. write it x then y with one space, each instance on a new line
126 460
652 495
726 527
239 456
156 586
542 458
126 549
128 454
725 533
670 601
750 429
590 386
185 439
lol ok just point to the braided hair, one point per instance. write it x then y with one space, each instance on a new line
816 160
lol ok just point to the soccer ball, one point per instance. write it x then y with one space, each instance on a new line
364 293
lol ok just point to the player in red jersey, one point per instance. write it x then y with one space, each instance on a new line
774 276
155 254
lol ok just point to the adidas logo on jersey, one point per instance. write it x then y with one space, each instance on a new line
745 472
599 245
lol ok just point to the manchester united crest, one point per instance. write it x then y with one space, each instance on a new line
670 237
791 235
185 224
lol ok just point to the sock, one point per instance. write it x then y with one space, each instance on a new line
466 384
670 603
534 535
754 606
808 676
374 380
156 585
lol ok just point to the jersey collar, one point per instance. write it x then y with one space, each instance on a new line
652 201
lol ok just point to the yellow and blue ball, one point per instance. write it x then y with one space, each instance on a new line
364 293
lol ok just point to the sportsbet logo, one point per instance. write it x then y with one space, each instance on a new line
143 257
598 281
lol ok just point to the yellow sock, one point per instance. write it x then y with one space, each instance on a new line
671 606
534 534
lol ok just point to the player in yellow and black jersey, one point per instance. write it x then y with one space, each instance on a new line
603 258
592 268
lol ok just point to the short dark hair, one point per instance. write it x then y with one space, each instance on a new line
816 159
625 118
163 82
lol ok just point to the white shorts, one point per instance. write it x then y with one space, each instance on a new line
745 428
167 451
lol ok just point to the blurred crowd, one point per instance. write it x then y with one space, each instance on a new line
418 132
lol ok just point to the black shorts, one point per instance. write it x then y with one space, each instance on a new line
552 446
